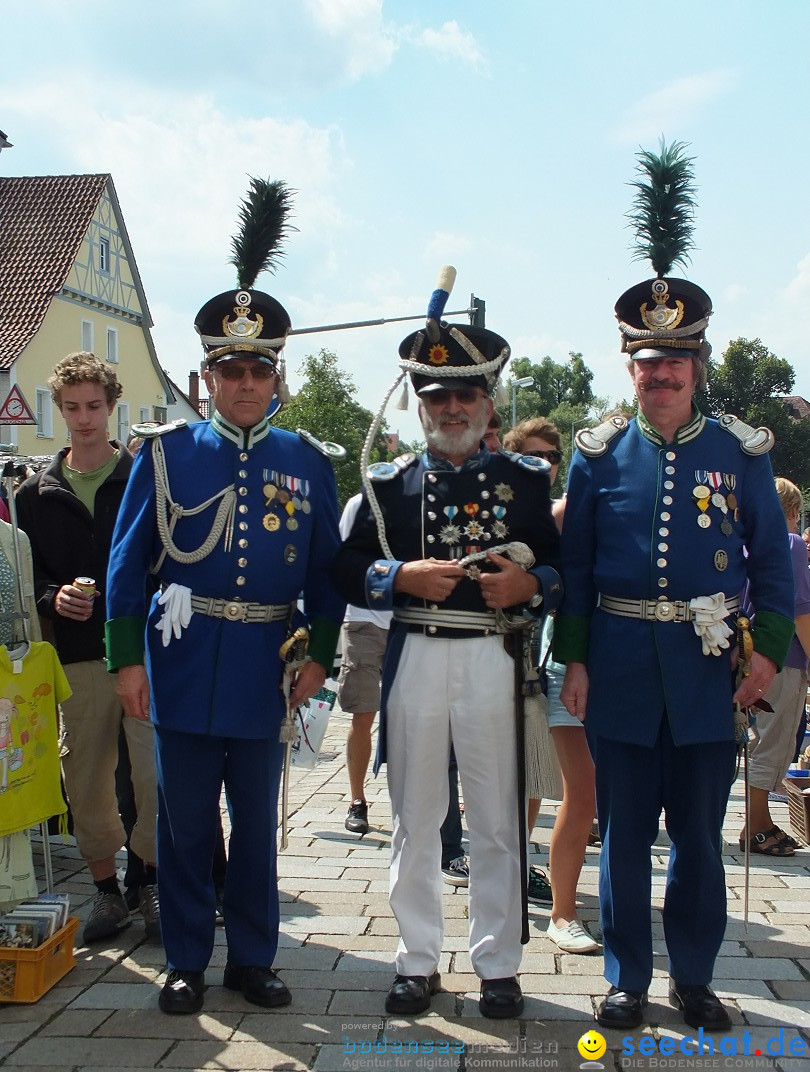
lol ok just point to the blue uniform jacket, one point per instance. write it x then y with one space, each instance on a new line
432 511
224 677
631 530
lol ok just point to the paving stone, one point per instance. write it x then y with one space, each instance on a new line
242 1056
64 1052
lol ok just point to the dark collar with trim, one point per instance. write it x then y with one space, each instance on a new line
687 432
244 438
474 461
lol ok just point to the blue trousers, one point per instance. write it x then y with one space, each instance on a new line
191 770
633 784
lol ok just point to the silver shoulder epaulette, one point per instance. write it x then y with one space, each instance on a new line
752 440
331 450
593 442
149 431
527 461
388 470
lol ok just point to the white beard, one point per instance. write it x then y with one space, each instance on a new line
454 441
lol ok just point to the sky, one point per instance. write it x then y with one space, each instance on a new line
497 137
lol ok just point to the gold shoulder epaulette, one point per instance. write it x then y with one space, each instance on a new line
593 442
752 440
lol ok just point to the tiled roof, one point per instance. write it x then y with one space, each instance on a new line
797 406
43 219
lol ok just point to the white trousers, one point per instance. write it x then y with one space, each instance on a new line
464 688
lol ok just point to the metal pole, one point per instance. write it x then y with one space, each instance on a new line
370 323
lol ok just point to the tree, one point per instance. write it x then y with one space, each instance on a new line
325 406
747 383
554 384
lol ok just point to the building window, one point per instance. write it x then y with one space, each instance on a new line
122 428
44 413
112 345
87 336
104 254
144 414
161 414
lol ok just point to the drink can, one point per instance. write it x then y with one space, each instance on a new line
86 585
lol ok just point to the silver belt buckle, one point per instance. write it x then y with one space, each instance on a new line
234 611
665 611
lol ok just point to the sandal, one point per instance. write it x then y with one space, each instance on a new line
788 840
779 844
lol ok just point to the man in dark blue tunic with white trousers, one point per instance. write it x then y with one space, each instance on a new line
447 671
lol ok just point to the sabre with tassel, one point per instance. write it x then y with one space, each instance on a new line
293 653
745 649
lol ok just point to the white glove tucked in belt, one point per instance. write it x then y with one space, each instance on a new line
708 614
176 603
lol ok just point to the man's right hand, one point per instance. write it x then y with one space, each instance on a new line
71 602
574 693
428 578
132 688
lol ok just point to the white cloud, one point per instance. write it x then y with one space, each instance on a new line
365 45
450 40
679 100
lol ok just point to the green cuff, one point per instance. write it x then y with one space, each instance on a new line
772 634
323 638
124 638
571 638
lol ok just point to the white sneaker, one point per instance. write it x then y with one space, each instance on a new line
571 937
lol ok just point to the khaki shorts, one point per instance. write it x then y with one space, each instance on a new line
91 719
774 734
359 681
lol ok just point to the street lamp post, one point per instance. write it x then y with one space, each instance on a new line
524 381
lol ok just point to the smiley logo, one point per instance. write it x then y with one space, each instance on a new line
592 1046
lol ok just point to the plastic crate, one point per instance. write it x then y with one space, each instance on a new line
27 974
799 807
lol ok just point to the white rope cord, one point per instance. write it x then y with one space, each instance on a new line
165 505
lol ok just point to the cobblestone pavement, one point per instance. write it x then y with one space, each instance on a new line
336 954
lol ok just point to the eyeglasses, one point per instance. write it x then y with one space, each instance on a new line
465 396
257 369
553 457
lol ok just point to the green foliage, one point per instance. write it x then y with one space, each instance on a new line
326 407
554 384
747 383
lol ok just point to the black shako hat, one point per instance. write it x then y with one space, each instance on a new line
456 357
242 323
662 318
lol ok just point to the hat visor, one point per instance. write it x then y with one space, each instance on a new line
448 383
656 353
247 354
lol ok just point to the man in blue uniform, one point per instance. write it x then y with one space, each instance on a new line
236 519
660 512
447 671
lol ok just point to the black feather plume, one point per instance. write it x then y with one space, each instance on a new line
664 207
263 219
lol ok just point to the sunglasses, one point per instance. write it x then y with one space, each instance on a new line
553 457
257 369
465 396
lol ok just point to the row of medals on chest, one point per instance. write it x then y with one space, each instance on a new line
716 489
285 495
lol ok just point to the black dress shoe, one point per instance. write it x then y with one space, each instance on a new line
261 986
700 1005
621 1008
501 999
182 992
412 993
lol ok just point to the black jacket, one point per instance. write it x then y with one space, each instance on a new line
67 542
